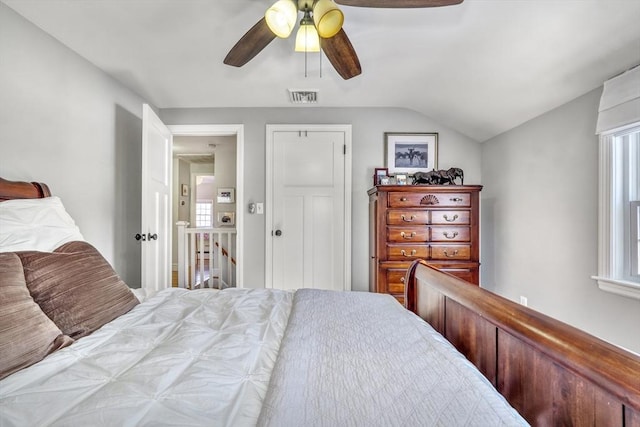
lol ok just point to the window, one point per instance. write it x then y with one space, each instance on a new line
631 199
204 213
629 142
619 263
619 185
635 236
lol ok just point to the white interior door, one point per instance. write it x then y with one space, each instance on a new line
310 210
155 235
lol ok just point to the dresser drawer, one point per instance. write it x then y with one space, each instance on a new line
450 217
395 281
407 252
397 217
447 233
426 199
450 252
407 234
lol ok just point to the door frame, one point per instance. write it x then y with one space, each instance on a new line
270 129
160 250
238 132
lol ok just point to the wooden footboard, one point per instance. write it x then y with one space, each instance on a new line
552 373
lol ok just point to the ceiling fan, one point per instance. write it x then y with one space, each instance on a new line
320 28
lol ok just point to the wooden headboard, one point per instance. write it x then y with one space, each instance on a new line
553 374
22 190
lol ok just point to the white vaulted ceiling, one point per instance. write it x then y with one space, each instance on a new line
481 67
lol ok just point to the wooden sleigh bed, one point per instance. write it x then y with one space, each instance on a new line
551 373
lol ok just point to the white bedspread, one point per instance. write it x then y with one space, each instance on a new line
361 359
181 358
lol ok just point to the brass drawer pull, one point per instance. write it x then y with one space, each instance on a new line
452 236
408 236
456 199
402 280
455 252
403 199
404 253
446 218
411 218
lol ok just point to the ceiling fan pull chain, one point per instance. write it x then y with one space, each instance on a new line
320 55
305 55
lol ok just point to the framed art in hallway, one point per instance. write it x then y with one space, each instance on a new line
408 153
226 195
226 218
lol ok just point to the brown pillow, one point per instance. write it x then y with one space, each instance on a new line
27 335
76 287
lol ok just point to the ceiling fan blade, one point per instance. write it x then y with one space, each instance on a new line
342 55
398 3
256 39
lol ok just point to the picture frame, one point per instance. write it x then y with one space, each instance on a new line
378 174
226 195
408 153
226 218
184 189
401 179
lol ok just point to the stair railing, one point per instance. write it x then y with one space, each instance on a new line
196 246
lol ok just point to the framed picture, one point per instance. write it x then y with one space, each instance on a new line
226 218
408 153
185 190
379 174
226 195
401 179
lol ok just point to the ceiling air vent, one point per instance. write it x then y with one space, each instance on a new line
303 96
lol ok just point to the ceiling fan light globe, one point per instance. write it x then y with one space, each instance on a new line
281 18
307 39
328 18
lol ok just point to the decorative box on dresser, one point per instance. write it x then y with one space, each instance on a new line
437 223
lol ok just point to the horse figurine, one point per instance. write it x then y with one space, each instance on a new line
429 178
454 173
439 177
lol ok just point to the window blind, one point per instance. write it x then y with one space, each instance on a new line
620 101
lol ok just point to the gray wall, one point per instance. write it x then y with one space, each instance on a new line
540 224
369 125
66 123
179 211
225 177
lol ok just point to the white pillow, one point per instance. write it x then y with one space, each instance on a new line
35 224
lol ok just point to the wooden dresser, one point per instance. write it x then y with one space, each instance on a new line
437 223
